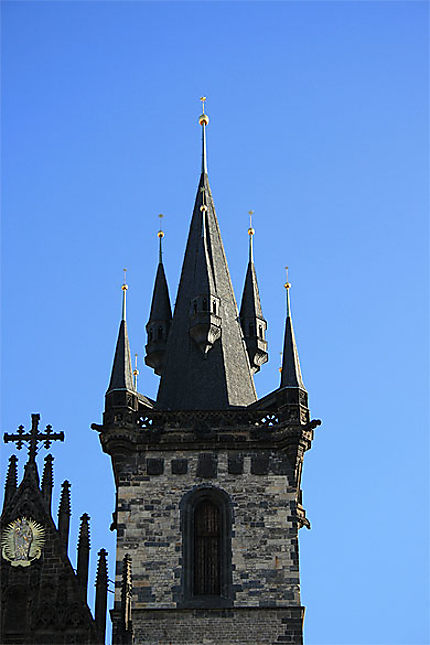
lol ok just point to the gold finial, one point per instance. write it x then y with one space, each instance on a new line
203 208
251 231
135 372
160 231
125 285
203 118
287 285
280 369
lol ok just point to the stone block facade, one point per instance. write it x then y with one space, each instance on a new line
264 569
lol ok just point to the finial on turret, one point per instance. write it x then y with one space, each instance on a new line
203 120
124 288
287 286
251 233
135 372
160 236
280 369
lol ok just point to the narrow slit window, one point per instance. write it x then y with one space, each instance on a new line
207 549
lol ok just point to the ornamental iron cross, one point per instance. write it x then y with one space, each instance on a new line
33 437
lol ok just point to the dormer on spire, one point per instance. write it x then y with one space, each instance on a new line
253 324
121 392
160 318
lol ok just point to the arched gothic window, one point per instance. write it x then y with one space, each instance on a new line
206 546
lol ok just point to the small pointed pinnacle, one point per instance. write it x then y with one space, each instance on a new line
11 480
121 375
84 531
126 592
64 506
101 595
291 375
83 555
102 571
48 480
64 513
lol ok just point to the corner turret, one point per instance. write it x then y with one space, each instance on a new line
253 324
292 388
121 392
160 318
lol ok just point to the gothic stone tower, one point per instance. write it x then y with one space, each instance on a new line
208 477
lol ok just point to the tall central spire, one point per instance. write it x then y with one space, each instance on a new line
207 365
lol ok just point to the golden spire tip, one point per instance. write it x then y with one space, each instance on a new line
203 118
251 230
125 285
287 285
160 233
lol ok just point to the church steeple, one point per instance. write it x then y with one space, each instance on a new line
121 391
291 375
160 318
251 315
206 365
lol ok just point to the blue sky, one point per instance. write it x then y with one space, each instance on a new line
319 123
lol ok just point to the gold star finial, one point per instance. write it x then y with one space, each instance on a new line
135 372
160 233
287 285
203 118
124 284
251 231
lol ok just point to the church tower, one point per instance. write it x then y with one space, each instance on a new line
208 477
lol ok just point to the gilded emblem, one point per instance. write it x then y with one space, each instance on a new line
22 542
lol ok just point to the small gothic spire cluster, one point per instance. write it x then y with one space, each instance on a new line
29 504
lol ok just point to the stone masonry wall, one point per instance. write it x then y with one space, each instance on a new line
219 627
264 533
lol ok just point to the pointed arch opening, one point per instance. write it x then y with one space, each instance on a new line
206 521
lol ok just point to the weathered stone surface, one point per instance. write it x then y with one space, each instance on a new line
219 627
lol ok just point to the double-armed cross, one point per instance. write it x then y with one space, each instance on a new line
33 437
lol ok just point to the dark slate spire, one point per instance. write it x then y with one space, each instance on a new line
206 366
83 555
121 376
101 595
64 513
291 375
251 316
48 481
11 481
160 317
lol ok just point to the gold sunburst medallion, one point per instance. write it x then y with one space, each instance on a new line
22 541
